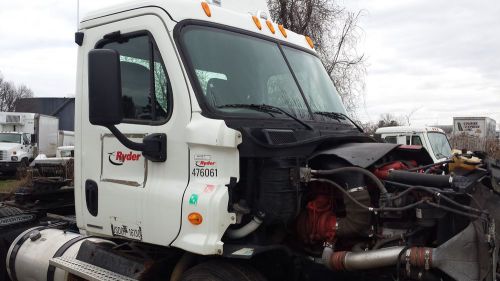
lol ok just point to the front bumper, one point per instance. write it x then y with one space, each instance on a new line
9 166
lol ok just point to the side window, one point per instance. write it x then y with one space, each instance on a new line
407 140
146 88
26 138
415 140
391 139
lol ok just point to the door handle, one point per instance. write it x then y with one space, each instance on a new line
92 197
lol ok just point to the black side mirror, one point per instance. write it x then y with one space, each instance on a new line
105 103
105 89
33 139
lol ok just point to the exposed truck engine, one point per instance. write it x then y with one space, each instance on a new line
210 144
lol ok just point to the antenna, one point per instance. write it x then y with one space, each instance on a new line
77 13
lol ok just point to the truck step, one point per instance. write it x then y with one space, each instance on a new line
87 271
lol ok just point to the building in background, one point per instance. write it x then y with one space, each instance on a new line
63 108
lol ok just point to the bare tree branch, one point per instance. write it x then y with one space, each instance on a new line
335 32
9 94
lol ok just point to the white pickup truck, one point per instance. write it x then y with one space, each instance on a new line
431 138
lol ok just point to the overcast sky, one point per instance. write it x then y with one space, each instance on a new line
438 57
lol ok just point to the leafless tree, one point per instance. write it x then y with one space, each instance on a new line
409 115
388 120
9 94
335 32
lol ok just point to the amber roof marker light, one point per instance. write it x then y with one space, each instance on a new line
206 8
310 42
257 22
283 30
270 26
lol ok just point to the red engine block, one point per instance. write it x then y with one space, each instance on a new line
317 223
382 172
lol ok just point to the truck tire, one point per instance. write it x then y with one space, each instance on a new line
222 270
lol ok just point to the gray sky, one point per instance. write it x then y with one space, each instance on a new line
440 58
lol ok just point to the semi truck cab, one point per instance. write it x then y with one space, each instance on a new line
171 75
211 144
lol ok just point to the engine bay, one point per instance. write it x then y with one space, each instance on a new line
375 209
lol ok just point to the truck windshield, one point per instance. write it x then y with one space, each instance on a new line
440 145
237 69
12 138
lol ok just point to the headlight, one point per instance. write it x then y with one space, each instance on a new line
14 153
14 158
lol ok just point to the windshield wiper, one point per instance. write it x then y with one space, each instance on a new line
268 109
338 116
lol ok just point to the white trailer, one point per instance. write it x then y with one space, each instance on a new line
25 135
481 127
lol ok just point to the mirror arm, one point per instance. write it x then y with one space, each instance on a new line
153 146
124 140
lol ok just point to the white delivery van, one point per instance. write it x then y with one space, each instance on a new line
431 138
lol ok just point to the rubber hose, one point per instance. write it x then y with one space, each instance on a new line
245 230
439 181
383 191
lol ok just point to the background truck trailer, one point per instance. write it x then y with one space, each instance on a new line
481 127
25 135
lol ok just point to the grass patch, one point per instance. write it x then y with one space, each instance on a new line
7 186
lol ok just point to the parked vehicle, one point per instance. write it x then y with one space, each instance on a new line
434 140
66 138
23 136
481 127
211 144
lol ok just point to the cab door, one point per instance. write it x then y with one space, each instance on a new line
122 194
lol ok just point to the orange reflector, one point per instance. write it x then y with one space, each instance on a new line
206 8
270 25
257 22
195 218
282 29
310 41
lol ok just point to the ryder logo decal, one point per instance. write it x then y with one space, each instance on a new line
204 163
117 158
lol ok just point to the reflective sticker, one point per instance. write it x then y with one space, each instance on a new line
202 157
193 200
209 188
244 252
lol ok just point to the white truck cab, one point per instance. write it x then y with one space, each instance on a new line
23 136
15 150
431 138
211 138
181 64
